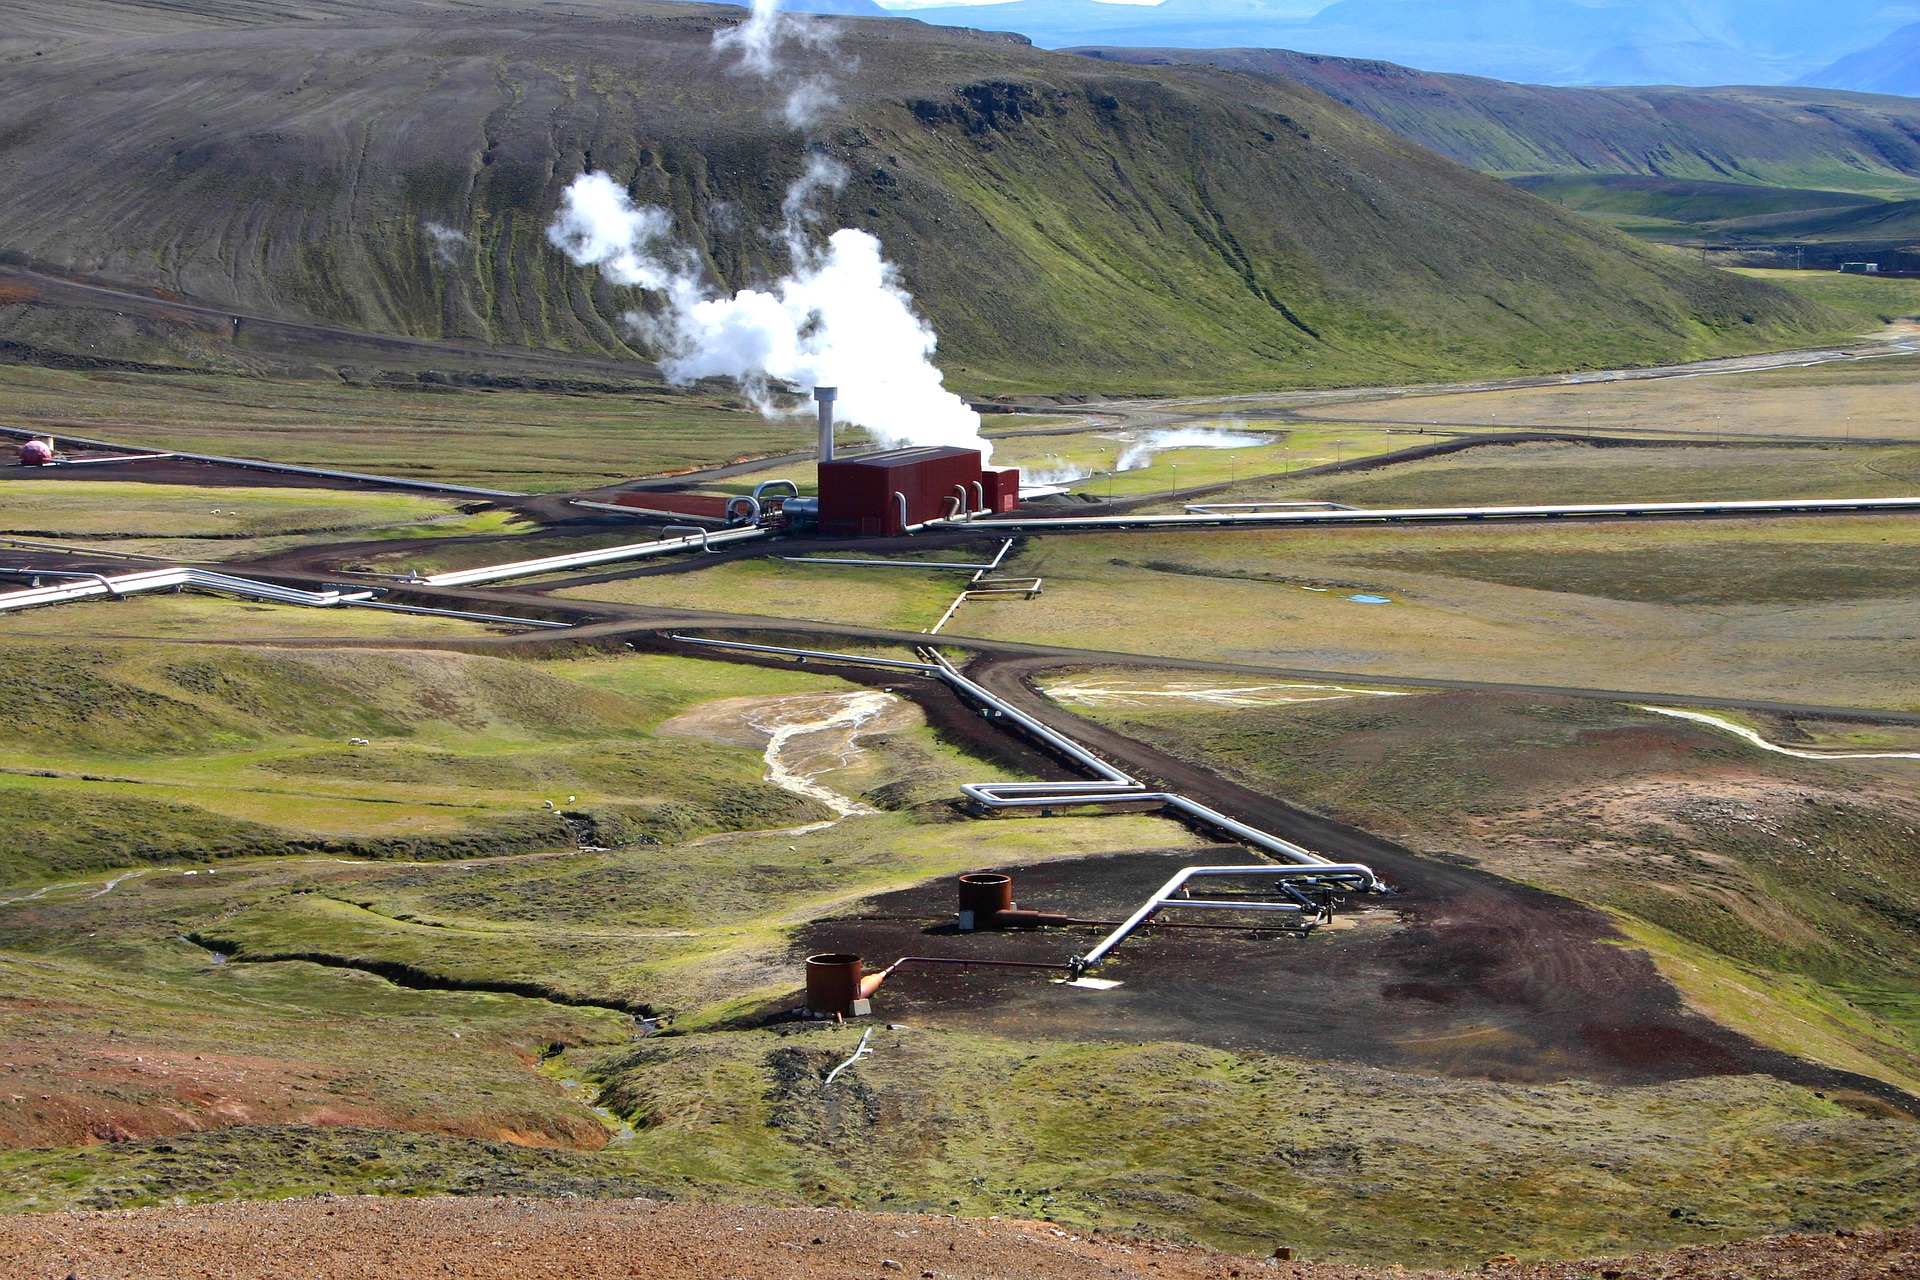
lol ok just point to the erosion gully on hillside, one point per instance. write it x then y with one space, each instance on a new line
1461 973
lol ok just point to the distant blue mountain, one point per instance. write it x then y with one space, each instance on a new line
1682 42
1892 66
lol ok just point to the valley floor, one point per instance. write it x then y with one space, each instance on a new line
299 904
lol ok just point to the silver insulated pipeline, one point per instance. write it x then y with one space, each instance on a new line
826 396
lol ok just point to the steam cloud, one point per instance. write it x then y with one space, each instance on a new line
839 318
444 241
758 41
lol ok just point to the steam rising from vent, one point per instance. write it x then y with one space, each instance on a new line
445 242
758 41
759 36
838 318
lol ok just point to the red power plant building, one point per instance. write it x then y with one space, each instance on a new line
884 494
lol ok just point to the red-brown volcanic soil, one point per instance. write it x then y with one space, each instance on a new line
370 1238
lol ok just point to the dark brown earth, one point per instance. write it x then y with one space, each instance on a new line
1459 973
364 1238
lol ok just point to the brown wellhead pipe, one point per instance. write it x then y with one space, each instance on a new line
988 896
985 893
833 982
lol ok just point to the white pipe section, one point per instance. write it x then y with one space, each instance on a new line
1783 506
989 567
1168 896
458 613
37 574
1115 787
581 559
924 668
95 584
861 1051
125 457
1054 795
637 513
691 530
1207 508
288 468
164 579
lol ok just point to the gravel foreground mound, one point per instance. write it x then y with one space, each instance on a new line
376 1238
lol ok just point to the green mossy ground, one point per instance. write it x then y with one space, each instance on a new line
1567 473
1798 874
123 753
1866 300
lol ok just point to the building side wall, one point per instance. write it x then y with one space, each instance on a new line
856 494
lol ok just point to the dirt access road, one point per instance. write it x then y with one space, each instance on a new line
367 1238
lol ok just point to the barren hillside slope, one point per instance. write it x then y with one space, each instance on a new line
1060 220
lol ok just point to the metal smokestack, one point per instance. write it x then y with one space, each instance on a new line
826 396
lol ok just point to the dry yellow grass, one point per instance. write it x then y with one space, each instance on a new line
1871 399
1251 597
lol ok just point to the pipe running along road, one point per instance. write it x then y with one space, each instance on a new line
579 559
1299 867
164 579
1217 519
92 585
280 468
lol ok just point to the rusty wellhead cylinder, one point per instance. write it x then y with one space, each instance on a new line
986 902
836 983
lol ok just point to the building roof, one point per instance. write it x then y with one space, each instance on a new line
904 457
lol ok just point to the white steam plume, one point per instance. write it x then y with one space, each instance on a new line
759 38
797 213
444 241
758 41
840 318
809 101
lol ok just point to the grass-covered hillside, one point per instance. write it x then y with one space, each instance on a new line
122 754
1685 200
1786 137
1062 221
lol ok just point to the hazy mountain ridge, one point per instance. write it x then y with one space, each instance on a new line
1892 66
1687 42
1792 137
1060 220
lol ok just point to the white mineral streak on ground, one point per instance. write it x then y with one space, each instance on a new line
1106 693
39 893
811 734
115 883
1741 731
802 737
